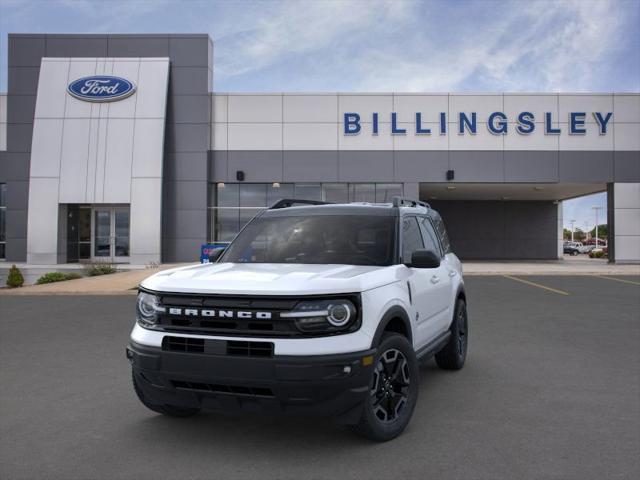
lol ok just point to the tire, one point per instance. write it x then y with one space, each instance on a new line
574 253
393 390
454 353
169 410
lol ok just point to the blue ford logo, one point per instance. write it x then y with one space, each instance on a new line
101 88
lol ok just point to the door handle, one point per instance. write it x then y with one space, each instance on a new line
435 279
452 273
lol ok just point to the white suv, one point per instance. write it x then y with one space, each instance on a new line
314 308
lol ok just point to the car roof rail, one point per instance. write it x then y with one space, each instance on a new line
290 202
408 202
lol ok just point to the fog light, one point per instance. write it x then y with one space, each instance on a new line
368 360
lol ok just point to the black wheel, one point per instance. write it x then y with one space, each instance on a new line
169 410
574 253
393 390
454 353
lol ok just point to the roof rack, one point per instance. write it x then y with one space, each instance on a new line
290 202
401 201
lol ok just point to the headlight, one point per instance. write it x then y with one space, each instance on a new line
318 316
147 309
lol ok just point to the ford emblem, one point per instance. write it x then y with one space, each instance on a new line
101 88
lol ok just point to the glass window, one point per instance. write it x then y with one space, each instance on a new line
227 195
317 239
308 191
411 238
335 192
253 194
278 191
3 195
3 216
386 191
362 192
429 236
227 223
442 233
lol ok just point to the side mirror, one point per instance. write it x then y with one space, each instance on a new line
215 255
424 259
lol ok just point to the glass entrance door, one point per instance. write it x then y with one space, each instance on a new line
111 234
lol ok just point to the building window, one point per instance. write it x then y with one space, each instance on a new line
232 205
3 217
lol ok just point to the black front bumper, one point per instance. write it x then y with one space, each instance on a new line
325 385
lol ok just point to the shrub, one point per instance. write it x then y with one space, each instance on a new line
100 269
596 254
52 277
15 278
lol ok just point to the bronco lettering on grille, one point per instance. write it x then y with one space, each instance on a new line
194 312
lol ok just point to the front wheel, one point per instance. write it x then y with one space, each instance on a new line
393 391
454 353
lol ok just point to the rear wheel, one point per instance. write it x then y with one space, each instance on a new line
454 353
169 410
393 391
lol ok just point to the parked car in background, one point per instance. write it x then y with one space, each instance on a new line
571 249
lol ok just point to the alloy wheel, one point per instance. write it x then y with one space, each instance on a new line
390 387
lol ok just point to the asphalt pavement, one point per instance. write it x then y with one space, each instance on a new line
551 390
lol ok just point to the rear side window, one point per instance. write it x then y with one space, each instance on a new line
411 238
429 236
442 233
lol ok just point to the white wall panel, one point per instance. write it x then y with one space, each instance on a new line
219 105
628 221
148 148
92 159
125 108
534 141
366 141
219 136
73 162
365 105
146 219
46 144
151 91
118 158
483 105
482 140
310 136
626 195
584 103
430 106
310 108
52 86
255 136
42 222
411 141
77 69
592 140
3 108
255 108
627 136
626 108
536 104
3 136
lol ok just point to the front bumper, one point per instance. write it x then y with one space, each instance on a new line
325 385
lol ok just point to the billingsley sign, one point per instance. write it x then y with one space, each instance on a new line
101 88
497 123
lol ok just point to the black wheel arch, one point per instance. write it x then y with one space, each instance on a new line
460 295
396 319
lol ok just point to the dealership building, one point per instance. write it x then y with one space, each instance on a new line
118 148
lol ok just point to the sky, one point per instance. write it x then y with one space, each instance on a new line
378 45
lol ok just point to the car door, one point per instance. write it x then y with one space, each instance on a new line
442 277
423 286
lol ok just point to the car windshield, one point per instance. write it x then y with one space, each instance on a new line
342 239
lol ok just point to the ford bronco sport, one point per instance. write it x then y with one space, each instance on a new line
322 309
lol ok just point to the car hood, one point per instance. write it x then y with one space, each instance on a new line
270 279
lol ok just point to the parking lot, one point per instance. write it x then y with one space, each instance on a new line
551 390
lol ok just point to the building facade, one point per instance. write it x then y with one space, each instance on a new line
116 148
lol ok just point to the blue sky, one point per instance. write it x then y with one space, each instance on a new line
370 45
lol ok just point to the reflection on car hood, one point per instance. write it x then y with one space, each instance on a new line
271 278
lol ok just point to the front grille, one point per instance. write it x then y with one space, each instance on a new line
218 347
216 388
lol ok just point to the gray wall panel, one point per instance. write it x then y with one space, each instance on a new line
586 166
16 167
23 80
182 249
310 166
428 165
626 166
16 250
138 46
218 164
26 50
188 109
529 166
16 223
185 195
186 137
365 166
501 230
258 166
76 46
19 137
185 166
22 108
188 80
190 51
185 223
477 166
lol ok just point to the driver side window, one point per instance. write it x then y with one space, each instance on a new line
411 238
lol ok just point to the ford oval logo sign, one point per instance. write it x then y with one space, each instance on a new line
101 88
